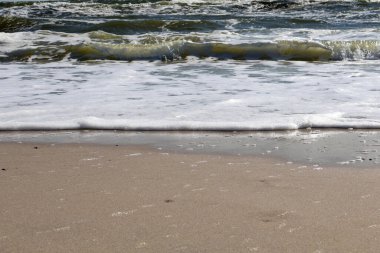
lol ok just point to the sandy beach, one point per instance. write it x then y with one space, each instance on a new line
194 126
85 197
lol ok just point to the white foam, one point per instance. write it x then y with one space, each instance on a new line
10 42
196 95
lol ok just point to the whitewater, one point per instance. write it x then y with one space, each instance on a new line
189 65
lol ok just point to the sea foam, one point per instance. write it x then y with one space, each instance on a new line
194 95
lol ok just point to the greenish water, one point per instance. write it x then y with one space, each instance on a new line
177 29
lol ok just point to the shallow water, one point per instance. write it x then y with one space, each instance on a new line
312 149
189 65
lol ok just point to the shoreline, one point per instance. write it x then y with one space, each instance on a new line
330 148
139 195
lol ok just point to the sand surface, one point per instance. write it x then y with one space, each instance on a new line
125 198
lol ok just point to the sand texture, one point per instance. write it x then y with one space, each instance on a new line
108 198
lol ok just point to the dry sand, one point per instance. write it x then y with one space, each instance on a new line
107 198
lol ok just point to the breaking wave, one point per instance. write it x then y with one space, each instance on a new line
180 50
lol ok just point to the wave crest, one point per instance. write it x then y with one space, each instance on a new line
181 49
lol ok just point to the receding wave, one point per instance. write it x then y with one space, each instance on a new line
94 123
179 50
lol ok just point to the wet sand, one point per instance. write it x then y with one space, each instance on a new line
140 198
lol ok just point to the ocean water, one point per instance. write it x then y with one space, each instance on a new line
189 64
